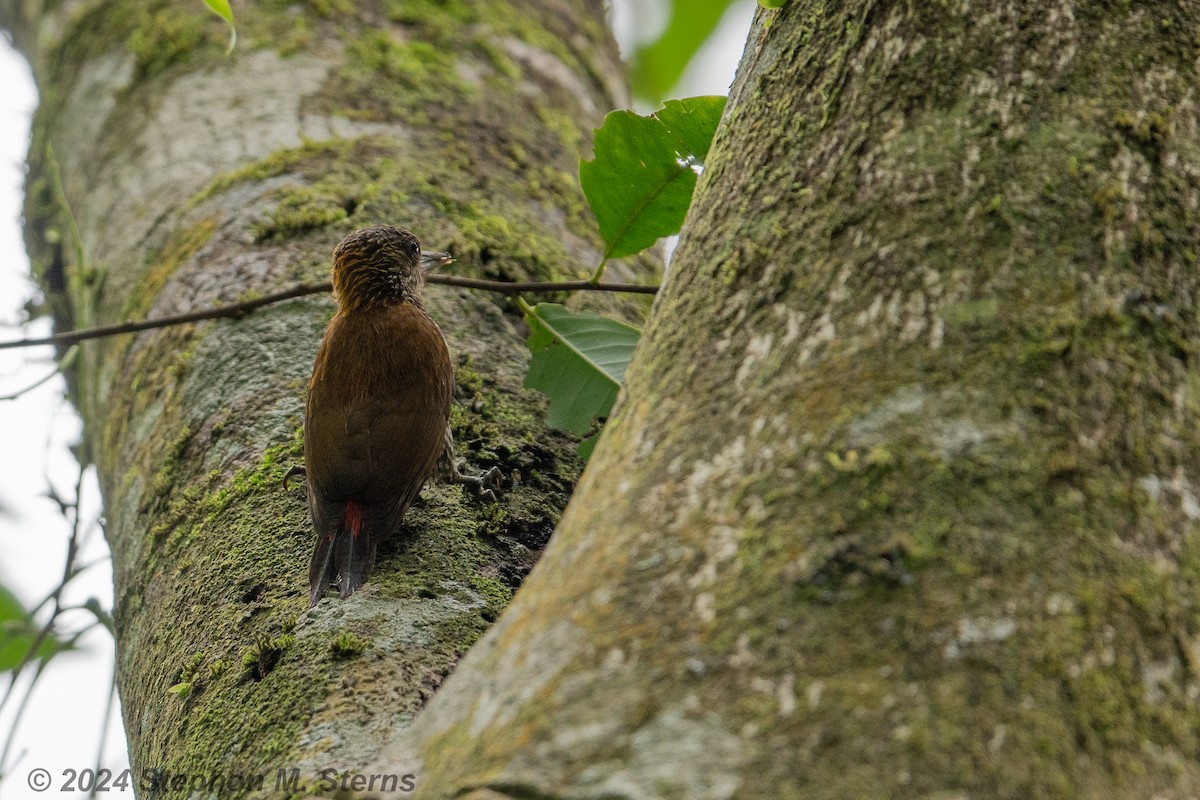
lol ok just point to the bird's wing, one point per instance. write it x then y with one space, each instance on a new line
377 412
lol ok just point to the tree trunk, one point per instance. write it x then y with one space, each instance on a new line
178 179
900 500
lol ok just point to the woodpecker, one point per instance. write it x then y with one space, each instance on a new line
377 417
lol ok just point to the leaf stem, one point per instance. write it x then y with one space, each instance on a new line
599 273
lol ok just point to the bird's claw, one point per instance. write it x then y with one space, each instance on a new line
484 485
297 469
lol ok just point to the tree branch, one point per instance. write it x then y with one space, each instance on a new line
237 310
535 287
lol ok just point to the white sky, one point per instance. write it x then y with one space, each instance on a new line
60 728
61 725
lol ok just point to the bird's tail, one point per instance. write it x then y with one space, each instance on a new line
344 557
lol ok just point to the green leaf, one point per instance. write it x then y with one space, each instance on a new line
579 361
771 3
658 66
693 122
10 607
18 632
640 183
586 447
221 9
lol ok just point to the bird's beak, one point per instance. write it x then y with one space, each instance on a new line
430 261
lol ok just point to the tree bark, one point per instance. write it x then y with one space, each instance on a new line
900 499
167 177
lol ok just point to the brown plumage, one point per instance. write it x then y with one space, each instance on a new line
378 406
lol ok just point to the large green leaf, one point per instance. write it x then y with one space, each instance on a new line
640 183
579 361
18 632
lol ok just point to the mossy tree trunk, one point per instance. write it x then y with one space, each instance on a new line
167 177
901 497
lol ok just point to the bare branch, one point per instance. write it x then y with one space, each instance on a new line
238 310
536 287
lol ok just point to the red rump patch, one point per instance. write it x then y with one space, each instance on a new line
352 518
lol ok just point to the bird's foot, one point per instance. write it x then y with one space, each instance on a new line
297 469
483 485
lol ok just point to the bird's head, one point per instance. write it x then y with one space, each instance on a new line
381 265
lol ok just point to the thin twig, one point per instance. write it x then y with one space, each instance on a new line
31 654
63 364
238 310
16 720
535 287
54 598
133 326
